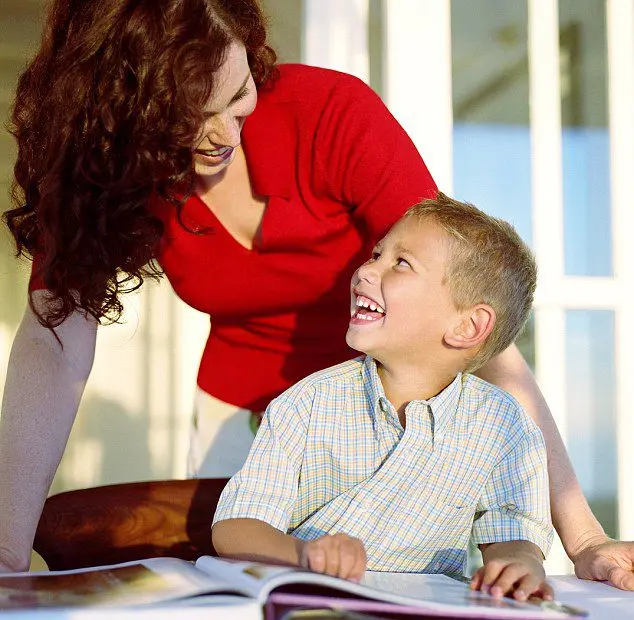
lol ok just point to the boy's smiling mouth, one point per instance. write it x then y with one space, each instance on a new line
367 310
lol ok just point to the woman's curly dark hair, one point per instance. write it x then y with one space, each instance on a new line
105 116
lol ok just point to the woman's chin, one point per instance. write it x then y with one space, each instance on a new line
206 169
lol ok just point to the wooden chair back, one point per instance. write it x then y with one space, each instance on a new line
126 522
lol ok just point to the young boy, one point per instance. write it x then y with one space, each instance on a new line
393 460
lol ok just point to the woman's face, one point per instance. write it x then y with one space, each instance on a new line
234 98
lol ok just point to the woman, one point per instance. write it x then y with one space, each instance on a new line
133 145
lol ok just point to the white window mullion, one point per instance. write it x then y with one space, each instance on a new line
620 32
579 293
547 211
547 196
418 79
336 36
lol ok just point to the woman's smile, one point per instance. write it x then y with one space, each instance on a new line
212 157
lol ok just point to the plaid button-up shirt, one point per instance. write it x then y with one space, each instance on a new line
332 457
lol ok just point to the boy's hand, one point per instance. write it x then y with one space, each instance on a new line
511 572
338 555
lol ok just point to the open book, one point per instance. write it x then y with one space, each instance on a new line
167 580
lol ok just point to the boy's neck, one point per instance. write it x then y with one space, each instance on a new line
403 383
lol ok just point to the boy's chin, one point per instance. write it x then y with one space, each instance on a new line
354 342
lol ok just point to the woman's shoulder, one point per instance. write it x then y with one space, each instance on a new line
311 85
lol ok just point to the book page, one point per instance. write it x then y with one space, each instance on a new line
250 578
600 599
435 589
430 592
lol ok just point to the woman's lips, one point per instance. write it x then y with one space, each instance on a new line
214 156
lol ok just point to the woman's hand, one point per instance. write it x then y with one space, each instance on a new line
607 560
338 555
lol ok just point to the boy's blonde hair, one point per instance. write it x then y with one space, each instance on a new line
488 263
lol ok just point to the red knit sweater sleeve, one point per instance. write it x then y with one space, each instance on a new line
368 160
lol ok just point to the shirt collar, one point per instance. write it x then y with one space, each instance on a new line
269 146
374 387
443 405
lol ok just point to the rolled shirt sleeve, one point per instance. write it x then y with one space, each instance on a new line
515 502
266 486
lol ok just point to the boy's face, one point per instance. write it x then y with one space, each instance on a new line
400 307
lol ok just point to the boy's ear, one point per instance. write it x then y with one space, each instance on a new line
473 328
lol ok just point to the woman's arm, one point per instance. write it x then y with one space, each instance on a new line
576 525
595 555
43 388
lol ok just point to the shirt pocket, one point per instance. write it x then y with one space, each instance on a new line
450 517
431 523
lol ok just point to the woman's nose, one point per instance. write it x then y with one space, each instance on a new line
224 130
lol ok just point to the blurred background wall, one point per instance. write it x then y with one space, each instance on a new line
523 107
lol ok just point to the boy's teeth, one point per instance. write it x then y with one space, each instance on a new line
363 302
364 317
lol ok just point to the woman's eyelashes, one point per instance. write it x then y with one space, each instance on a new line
241 95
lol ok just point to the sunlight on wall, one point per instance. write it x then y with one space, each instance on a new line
82 465
138 402
330 41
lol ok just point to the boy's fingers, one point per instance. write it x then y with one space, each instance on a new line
332 557
316 559
476 579
506 579
347 558
527 586
544 590
491 571
360 564
338 555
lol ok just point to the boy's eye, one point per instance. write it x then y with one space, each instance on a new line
375 255
401 262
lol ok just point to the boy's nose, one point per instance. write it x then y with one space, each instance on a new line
368 273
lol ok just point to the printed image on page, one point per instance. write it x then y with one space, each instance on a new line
153 581
124 584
